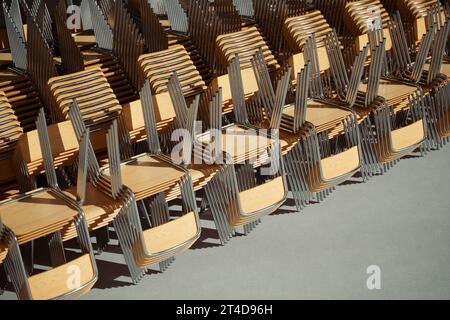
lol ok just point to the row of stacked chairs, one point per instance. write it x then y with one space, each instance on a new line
149 113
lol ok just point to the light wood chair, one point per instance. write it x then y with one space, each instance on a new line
314 164
19 81
150 180
67 150
236 200
398 130
97 102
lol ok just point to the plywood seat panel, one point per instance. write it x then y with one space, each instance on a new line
42 210
148 173
97 204
171 234
53 283
248 80
392 90
63 140
408 136
262 196
163 107
340 164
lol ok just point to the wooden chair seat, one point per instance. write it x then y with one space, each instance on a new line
54 283
241 143
288 140
84 39
324 116
94 58
146 175
159 66
250 88
445 69
254 206
39 213
134 118
201 174
167 240
408 136
392 91
340 164
262 196
97 204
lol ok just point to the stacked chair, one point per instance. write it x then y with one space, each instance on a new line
99 209
92 86
316 164
153 111
410 83
398 125
150 179
21 80
244 43
297 30
206 21
47 212
416 12
234 196
113 50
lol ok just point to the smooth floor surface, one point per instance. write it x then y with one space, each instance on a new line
399 222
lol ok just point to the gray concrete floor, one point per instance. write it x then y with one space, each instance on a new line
399 221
